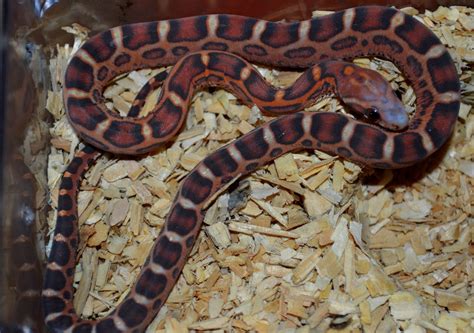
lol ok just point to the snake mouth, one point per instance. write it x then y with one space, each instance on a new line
393 124
395 120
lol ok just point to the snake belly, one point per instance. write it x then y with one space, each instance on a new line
363 31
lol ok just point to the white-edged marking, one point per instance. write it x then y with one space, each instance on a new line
245 73
163 29
77 93
348 131
26 267
140 299
54 266
186 203
316 72
146 131
307 121
103 126
119 323
64 212
21 239
268 135
235 153
51 292
155 268
175 99
435 51
173 236
212 24
205 172
258 29
60 238
304 30
397 20
117 37
205 59
86 57
388 148
426 140
279 95
448 97
348 18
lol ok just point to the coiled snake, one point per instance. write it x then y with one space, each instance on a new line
363 31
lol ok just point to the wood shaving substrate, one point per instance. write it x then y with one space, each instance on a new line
309 243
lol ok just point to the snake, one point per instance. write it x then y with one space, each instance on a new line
21 278
23 268
210 51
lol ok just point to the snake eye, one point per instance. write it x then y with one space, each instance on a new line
372 114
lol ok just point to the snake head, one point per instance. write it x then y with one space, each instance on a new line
371 98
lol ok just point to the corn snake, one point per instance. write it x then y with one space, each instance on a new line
343 35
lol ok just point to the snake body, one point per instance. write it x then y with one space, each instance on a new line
24 267
362 31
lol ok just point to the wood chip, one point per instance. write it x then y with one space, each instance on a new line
119 212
